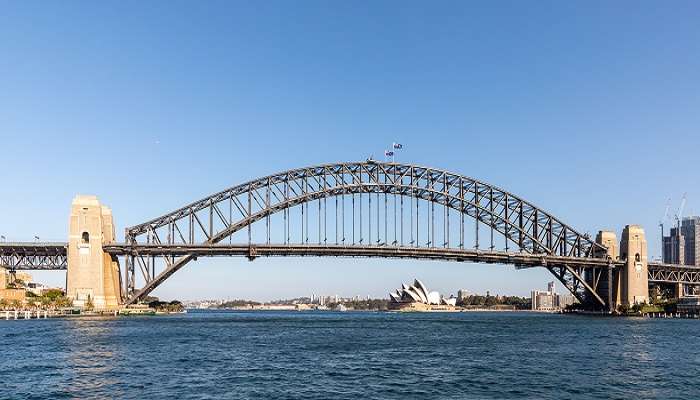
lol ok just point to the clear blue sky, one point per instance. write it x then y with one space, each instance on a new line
589 109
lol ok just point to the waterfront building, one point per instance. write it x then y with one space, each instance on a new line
682 245
418 297
462 294
10 295
689 305
37 289
543 301
546 301
564 300
550 300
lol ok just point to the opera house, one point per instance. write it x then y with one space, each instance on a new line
417 297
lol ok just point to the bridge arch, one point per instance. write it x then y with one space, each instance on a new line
211 220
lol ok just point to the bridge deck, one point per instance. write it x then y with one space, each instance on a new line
523 260
53 256
34 255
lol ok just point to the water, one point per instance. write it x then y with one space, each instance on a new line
324 355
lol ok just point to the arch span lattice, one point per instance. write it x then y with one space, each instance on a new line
363 209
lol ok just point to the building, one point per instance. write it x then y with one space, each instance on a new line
37 289
682 245
564 300
689 305
18 277
550 300
462 294
545 301
418 297
10 295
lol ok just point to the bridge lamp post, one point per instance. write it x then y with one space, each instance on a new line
2 238
36 239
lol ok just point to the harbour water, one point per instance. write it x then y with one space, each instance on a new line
351 355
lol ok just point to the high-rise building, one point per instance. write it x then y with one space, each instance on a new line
550 287
682 245
543 301
564 300
550 300
691 231
462 294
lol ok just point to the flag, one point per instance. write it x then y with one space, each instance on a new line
388 153
397 146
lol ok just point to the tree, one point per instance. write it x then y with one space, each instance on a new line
63 302
45 301
16 304
53 294
89 306
4 304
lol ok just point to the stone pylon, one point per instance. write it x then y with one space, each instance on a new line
93 275
635 277
3 278
611 285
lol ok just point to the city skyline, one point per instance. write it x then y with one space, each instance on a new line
163 120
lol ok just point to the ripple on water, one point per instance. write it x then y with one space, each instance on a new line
349 356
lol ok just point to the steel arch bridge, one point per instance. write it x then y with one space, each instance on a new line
364 209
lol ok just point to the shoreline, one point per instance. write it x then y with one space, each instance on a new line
375 310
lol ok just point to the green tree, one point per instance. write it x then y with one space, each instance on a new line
62 302
45 302
53 294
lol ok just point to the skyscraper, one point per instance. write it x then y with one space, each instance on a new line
682 245
690 229
550 287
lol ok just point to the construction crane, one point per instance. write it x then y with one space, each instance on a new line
663 220
675 256
661 225
679 215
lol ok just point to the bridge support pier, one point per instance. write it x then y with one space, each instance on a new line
635 272
610 287
93 275
679 290
628 285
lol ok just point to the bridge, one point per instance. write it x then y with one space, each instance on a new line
360 209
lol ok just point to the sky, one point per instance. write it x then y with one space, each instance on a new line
589 109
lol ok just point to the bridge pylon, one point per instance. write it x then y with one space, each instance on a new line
629 284
610 287
635 272
93 275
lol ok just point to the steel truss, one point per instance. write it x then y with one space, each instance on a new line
377 189
669 273
34 256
